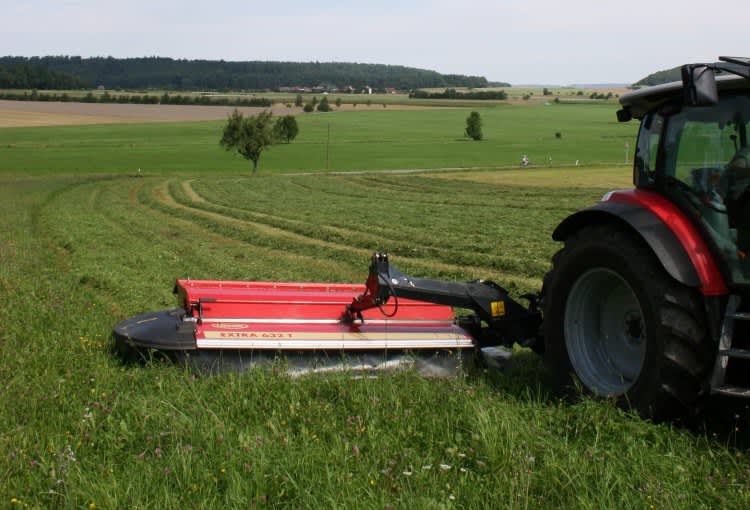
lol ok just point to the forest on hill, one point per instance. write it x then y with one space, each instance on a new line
173 74
660 77
29 76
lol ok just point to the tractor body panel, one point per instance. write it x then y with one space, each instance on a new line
668 248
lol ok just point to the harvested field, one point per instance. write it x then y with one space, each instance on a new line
51 113
95 113
18 118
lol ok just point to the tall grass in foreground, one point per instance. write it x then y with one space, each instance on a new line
80 429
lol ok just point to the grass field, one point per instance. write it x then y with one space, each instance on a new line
376 138
83 245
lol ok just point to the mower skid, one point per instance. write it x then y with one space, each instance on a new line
163 330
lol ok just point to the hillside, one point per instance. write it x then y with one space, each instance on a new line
659 77
171 74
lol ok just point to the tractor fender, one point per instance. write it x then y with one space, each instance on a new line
645 225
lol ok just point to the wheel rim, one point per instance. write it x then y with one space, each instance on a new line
605 332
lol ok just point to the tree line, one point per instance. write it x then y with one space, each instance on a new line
27 76
454 94
166 98
174 74
660 77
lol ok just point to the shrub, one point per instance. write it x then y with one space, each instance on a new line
474 126
324 106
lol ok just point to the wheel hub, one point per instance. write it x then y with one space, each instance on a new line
605 333
633 327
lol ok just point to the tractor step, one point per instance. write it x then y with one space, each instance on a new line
735 353
733 391
726 352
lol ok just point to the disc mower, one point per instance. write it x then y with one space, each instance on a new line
648 301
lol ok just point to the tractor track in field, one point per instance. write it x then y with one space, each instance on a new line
163 195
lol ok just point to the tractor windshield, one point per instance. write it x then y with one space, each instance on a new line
706 158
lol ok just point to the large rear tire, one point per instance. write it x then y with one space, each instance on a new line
618 324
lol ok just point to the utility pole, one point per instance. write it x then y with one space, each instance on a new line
328 148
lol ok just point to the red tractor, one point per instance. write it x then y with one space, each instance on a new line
646 302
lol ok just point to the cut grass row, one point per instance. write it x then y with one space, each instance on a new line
464 248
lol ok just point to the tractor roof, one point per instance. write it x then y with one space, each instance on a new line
640 102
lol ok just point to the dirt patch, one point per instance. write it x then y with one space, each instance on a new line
55 113
16 118
50 113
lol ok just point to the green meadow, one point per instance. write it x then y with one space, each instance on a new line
85 242
372 139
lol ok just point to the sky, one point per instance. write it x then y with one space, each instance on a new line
532 42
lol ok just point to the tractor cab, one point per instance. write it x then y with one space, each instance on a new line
693 148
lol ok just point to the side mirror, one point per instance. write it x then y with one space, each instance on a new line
699 84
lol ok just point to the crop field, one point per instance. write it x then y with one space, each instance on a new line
86 242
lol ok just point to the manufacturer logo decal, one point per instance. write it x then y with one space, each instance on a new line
230 325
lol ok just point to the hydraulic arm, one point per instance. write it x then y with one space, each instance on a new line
499 319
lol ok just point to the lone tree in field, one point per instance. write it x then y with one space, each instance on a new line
286 128
298 100
474 126
248 135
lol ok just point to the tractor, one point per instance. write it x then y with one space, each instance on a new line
647 302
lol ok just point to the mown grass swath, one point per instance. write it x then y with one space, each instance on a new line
79 428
